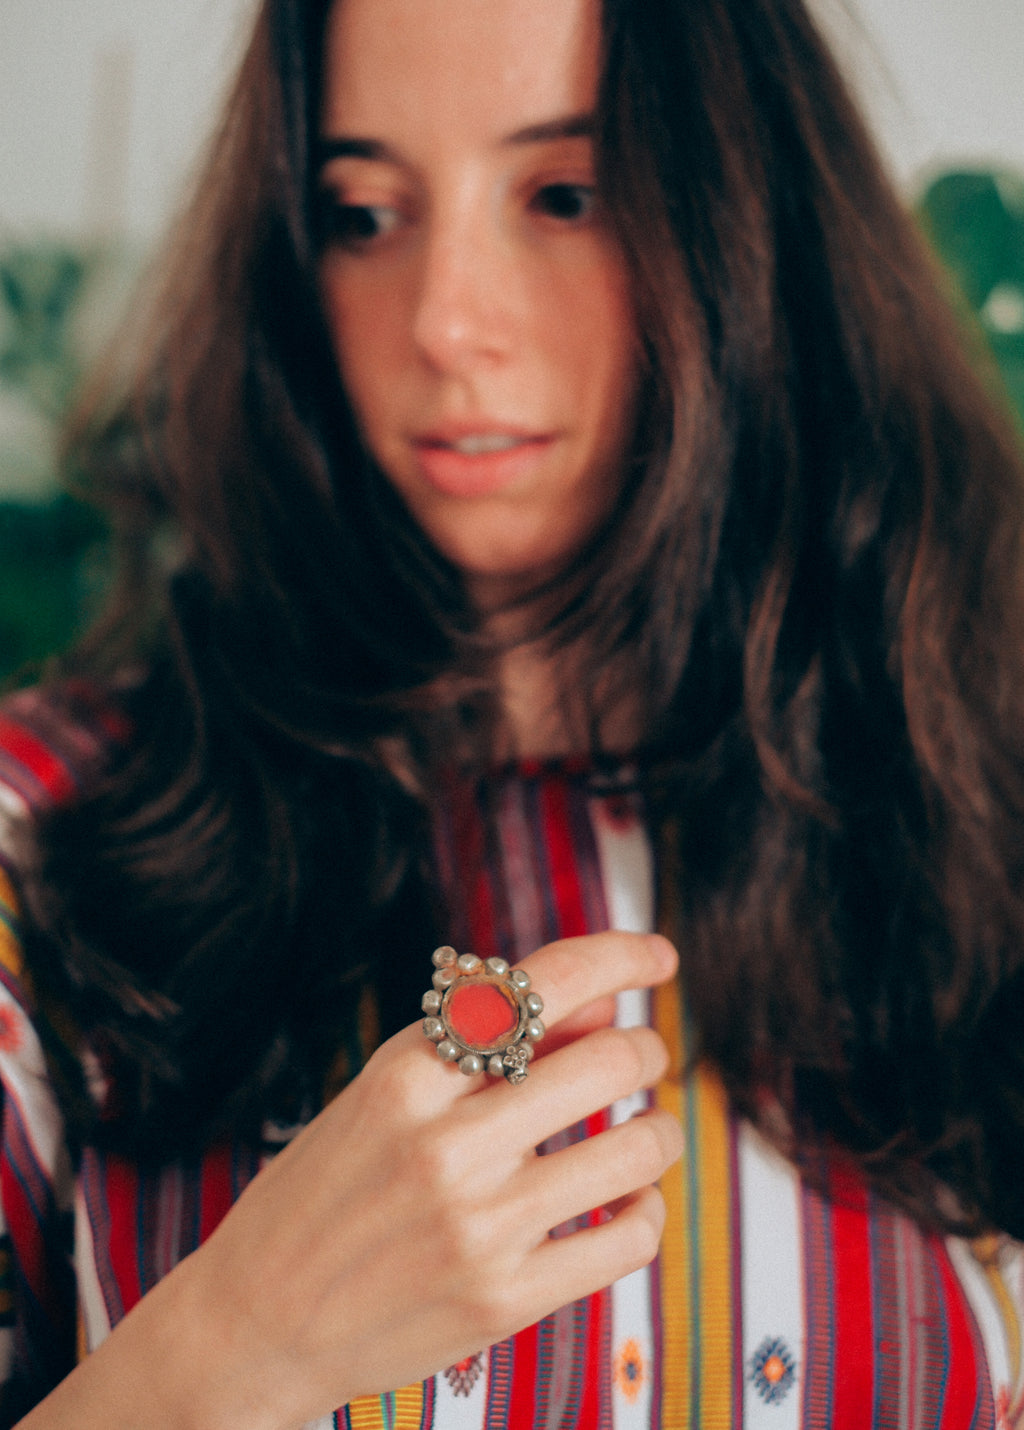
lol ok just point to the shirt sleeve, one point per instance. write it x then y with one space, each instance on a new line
37 1286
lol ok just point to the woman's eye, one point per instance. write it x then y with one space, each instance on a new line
355 225
572 203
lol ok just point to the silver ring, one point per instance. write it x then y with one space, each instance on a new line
482 1014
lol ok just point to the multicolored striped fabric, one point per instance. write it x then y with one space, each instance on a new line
771 1304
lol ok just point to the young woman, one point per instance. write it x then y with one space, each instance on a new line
554 505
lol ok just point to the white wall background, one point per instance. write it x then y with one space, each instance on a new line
103 103
941 80
103 106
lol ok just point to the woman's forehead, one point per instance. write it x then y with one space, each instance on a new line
499 64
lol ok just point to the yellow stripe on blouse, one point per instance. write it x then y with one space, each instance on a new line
398 1410
697 1245
10 947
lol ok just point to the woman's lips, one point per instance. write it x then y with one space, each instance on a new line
479 462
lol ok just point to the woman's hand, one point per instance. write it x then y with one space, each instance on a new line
407 1226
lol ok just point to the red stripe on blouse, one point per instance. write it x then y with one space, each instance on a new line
121 1188
853 1391
218 1189
40 762
595 1409
522 1398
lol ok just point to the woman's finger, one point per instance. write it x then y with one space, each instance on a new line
573 973
574 1266
569 1086
604 1171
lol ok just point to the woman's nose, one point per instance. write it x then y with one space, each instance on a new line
464 311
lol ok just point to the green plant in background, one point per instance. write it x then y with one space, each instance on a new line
51 546
39 286
975 222
52 567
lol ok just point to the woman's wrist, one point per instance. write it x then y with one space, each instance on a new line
162 1368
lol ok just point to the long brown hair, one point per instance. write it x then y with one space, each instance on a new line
812 576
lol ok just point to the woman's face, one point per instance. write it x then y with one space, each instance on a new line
478 303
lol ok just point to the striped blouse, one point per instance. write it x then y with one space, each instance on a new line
771 1305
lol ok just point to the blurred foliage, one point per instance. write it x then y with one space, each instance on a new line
40 286
975 223
53 565
53 312
55 303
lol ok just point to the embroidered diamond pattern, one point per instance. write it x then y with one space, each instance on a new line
464 1374
772 1370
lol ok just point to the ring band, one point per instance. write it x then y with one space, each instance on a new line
482 1014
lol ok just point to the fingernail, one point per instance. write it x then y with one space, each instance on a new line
665 951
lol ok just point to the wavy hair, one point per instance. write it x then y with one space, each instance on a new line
813 576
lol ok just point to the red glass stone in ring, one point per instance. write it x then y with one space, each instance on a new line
481 1015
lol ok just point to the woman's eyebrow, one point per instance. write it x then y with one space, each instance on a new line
342 147
570 126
